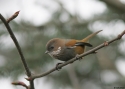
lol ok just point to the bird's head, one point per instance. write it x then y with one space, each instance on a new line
54 46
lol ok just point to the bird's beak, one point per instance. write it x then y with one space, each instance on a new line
46 52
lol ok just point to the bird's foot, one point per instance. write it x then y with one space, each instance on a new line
57 66
106 43
94 52
78 58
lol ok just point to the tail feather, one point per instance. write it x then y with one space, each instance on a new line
90 36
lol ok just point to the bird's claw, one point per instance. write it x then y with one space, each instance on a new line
78 58
106 43
57 66
94 52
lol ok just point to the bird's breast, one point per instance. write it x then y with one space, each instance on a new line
65 54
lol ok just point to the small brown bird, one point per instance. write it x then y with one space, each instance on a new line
66 49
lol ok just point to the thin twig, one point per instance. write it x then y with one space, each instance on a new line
80 56
13 16
21 84
18 48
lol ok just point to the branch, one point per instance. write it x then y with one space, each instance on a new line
17 45
79 56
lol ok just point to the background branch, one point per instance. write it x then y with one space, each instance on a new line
116 4
73 77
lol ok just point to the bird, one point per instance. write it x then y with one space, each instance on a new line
66 49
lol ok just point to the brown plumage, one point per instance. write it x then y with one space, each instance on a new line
66 49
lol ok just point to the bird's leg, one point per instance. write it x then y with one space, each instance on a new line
94 52
77 57
57 66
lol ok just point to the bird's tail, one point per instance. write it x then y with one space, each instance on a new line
90 36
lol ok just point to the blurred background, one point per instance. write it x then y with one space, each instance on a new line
42 20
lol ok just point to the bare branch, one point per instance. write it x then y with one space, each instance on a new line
18 47
17 44
79 56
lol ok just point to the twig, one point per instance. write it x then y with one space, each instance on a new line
21 84
18 48
13 16
79 56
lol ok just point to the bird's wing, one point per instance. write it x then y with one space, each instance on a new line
70 43
83 44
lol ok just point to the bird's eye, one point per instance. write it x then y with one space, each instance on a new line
51 47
